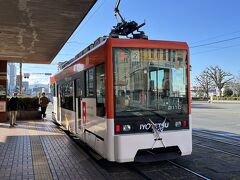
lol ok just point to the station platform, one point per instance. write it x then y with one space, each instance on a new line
40 150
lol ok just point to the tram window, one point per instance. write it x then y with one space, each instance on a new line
80 86
80 93
166 83
100 88
90 82
67 96
52 87
158 82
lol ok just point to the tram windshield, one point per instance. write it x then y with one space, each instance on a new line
150 80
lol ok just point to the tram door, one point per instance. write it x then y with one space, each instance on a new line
80 93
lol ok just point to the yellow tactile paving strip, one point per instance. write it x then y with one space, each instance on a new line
40 164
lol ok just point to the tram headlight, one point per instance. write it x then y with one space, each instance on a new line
118 128
126 128
185 123
178 124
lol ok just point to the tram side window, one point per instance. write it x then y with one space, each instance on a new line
67 96
80 91
100 88
90 82
52 87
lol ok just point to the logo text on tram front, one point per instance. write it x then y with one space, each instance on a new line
159 126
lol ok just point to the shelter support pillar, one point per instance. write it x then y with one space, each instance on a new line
3 91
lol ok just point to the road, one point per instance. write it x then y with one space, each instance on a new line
216 116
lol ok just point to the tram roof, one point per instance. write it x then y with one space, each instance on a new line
34 31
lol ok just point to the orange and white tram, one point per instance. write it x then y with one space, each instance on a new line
128 99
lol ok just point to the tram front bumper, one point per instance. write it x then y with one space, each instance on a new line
127 146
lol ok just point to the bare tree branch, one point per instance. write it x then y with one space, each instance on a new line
219 77
235 85
204 81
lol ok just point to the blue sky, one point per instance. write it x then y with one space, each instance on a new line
195 22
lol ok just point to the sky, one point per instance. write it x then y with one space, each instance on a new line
195 22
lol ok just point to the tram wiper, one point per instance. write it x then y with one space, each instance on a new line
156 132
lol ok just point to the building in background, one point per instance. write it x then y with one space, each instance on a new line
39 88
25 85
11 76
17 83
25 88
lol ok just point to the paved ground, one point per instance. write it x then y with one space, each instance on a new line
39 150
216 116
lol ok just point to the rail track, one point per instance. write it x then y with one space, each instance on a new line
215 149
189 170
234 143
157 170
223 137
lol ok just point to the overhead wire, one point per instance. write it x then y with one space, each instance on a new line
79 29
215 37
217 49
197 46
216 42
208 45
89 17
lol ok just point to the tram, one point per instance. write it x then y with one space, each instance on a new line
128 99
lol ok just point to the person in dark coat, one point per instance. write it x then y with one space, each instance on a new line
43 101
13 109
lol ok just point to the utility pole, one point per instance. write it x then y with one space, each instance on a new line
20 78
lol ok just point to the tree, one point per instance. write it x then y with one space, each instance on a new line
228 92
204 81
235 85
219 77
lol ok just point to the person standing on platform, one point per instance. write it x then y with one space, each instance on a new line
13 107
43 101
